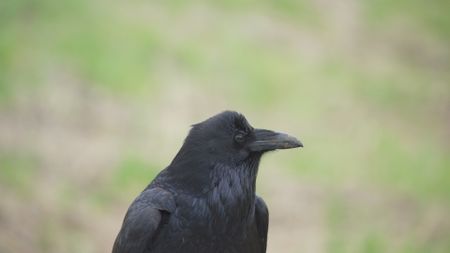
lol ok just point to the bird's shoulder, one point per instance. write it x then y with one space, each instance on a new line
143 220
156 197
261 205
262 221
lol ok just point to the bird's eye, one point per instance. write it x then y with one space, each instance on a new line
239 138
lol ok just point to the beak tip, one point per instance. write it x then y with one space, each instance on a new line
298 144
291 142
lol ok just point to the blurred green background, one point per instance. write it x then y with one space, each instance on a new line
97 96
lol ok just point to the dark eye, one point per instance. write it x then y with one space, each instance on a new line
239 138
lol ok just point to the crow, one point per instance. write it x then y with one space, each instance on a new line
205 201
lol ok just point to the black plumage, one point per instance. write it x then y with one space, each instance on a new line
205 200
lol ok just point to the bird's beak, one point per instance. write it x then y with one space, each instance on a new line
266 140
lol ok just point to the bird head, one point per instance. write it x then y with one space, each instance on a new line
228 138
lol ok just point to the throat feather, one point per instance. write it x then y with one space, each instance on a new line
232 191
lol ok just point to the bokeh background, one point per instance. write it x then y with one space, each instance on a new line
96 97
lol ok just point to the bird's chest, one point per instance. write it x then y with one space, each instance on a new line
221 219
222 210
226 209
205 229
203 226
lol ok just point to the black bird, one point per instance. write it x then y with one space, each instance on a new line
205 201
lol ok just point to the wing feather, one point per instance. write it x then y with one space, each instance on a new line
143 221
262 221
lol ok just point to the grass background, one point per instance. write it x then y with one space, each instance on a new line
97 96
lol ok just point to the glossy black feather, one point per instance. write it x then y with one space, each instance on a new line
204 201
262 221
144 220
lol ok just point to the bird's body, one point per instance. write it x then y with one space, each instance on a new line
205 200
